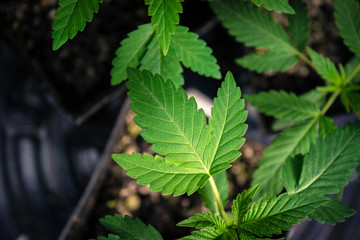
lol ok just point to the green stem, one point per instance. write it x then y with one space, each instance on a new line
220 207
352 74
330 101
306 60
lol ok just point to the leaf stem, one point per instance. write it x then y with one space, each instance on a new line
330 101
306 60
220 208
352 74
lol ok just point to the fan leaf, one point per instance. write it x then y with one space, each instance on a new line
282 105
332 212
194 53
273 215
204 220
329 164
276 5
165 17
293 141
71 17
348 21
299 24
268 61
179 132
128 228
324 67
130 52
167 66
242 202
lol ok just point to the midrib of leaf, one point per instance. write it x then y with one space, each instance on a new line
285 44
327 166
68 20
177 127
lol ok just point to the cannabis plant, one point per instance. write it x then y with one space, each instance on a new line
304 167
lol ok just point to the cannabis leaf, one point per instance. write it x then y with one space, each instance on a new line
165 17
141 48
332 212
326 126
268 61
354 100
167 66
131 51
205 234
299 24
273 215
348 21
276 5
207 195
193 151
241 204
350 66
256 28
128 228
293 141
204 220
329 164
324 67
71 17
194 54
110 237
282 105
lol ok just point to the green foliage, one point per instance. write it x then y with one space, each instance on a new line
299 25
271 216
324 67
348 21
204 220
276 5
193 150
241 204
165 17
292 141
256 28
126 228
71 17
207 195
330 162
142 49
282 105
332 212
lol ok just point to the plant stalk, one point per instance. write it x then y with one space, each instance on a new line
352 74
330 101
220 207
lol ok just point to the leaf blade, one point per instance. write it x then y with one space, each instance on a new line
71 17
299 24
278 6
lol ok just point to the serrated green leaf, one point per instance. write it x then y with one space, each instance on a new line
204 220
207 195
347 19
255 28
205 234
227 125
329 164
71 17
178 131
276 214
299 24
291 172
165 17
332 212
167 66
316 97
354 100
194 53
350 66
128 228
293 141
326 126
269 61
246 235
324 67
276 5
283 105
241 203
130 52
